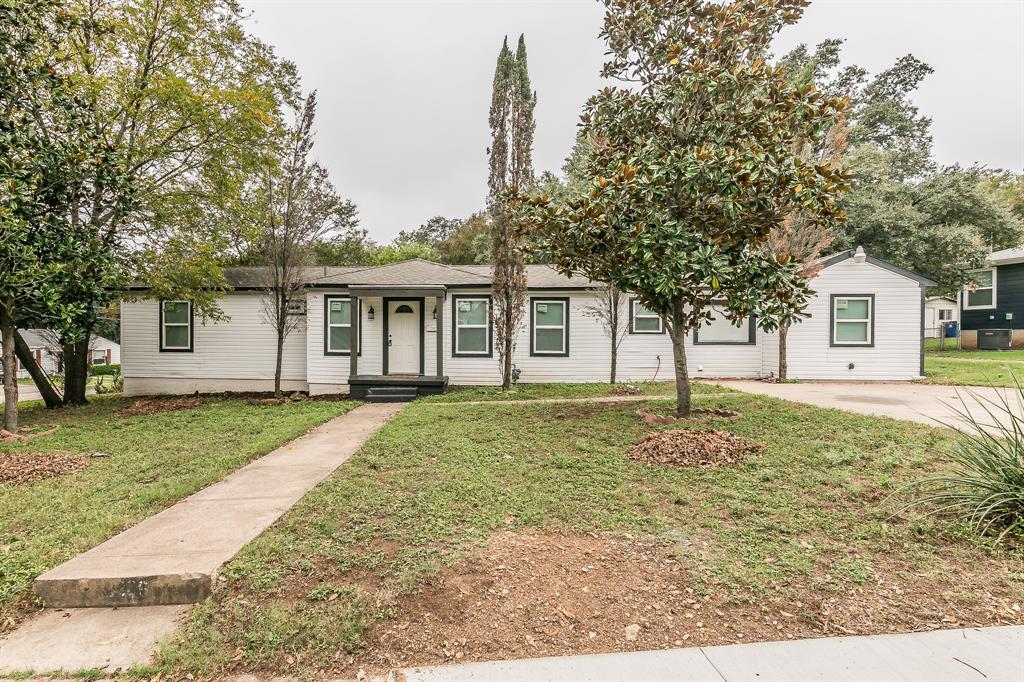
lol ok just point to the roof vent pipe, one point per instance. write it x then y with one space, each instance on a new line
859 256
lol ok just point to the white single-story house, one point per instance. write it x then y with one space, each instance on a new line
939 310
46 351
419 326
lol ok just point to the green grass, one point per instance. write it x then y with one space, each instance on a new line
958 371
155 461
457 394
808 520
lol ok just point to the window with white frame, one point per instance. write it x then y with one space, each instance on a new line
337 325
721 330
549 322
945 314
644 321
982 293
175 326
99 357
472 329
852 320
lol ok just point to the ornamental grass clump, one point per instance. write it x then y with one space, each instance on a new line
985 487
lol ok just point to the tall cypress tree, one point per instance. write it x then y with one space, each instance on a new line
511 169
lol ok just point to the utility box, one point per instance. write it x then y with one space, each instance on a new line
994 339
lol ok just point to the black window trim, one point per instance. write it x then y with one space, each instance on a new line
455 323
633 303
534 300
191 327
751 333
832 321
327 328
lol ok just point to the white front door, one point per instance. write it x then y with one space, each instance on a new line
403 337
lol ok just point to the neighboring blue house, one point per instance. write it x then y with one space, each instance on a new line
992 309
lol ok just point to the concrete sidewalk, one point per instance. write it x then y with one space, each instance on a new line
173 557
989 654
925 403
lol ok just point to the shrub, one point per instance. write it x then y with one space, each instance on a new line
104 370
109 383
985 487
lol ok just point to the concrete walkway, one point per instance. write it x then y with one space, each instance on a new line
925 403
173 557
975 655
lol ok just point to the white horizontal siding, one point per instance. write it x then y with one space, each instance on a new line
896 354
242 347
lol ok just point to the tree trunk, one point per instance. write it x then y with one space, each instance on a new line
678 335
76 371
783 361
50 395
277 367
506 355
615 358
10 370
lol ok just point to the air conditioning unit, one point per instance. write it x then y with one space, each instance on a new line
994 339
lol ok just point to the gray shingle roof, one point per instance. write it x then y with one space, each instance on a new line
411 273
1006 256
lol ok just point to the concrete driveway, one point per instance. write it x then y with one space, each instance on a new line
926 403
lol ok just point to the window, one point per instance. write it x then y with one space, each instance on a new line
338 325
471 333
644 321
945 314
983 293
853 320
722 330
549 326
176 326
99 357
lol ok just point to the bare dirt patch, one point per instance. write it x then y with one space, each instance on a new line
694 448
145 406
25 467
649 417
528 595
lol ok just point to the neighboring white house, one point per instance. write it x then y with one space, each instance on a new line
937 311
46 351
866 323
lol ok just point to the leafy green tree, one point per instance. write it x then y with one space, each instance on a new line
352 247
186 95
436 230
693 165
53 267
467 244
400 251
511 170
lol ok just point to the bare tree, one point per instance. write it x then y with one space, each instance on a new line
609 311
300 208
799 238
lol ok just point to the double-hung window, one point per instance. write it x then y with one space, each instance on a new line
176 326
549 326
337 325
853 320
644 321
721 330
982 293
472 329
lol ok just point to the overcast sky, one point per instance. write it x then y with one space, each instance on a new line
404 87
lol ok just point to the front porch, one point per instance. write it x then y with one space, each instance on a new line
390 388
403 343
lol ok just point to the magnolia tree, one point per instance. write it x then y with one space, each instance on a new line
693 165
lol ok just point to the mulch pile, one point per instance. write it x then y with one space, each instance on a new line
154 405
25 467
625 389
694 448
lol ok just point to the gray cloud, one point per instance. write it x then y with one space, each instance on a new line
404 87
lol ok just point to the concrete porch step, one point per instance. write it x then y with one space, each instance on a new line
173 557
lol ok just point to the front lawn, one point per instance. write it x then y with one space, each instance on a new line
465 532
974 368
556 391
149 462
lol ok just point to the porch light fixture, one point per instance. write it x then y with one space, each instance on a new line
369 313
434 314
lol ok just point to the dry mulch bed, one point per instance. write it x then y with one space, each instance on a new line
625 389
655 418
25 467
146 406
526 595
694 448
